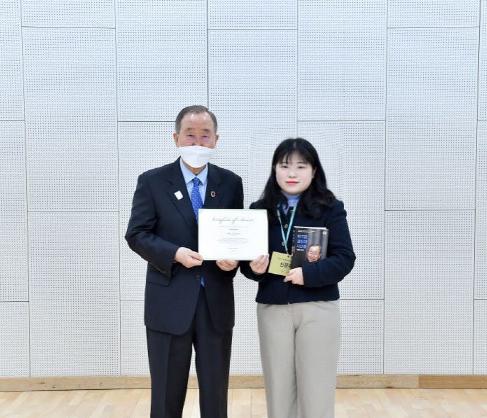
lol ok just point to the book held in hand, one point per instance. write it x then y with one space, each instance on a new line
309 245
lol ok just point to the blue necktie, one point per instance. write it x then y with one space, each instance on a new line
196 201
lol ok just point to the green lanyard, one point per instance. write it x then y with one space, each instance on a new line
285 237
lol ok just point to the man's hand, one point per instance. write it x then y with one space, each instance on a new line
227 265
260 264
188 258
295 276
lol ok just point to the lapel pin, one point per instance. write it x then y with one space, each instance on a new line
178 195
212 193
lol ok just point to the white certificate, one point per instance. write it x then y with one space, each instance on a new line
232 234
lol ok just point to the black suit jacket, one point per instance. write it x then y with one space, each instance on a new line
320 278
158 226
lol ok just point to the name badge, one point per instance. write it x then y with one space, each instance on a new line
280 263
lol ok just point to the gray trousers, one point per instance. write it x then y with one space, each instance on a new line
299 345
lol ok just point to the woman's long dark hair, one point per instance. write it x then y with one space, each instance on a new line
315 198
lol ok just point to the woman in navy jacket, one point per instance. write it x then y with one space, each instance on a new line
298 313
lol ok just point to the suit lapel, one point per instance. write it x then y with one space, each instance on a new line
213 188
178 193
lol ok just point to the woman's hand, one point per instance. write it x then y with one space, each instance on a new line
295 276
260 264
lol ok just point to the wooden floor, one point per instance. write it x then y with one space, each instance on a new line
247 403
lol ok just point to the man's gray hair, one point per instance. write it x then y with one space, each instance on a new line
196 109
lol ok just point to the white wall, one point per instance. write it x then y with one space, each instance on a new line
392 93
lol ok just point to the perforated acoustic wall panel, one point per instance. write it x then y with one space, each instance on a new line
69 74
433 13
481 218
483 65
362 326
13 213
480 326
11 94
432 74
392 94
70 13
438 160
481 204
14 337
133 350
72 166
70 120
341 48
429 292
252 14
74 293
162 48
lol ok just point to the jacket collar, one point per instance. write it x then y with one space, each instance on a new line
178 192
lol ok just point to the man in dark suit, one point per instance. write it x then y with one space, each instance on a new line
188 301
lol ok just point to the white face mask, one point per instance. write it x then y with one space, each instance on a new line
195 155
